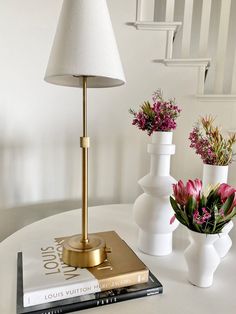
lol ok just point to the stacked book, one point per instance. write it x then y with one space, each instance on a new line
45 285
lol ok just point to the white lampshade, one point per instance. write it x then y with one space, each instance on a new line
85 45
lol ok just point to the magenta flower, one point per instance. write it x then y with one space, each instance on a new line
194 188
172 220
197 217
160 116
201 219
208 141
225 191
182 192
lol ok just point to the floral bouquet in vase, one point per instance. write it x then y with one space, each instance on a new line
215 150
151 209
159 117
206 218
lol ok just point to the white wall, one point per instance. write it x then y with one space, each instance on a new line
40 124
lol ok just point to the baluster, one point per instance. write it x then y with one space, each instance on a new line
170 8
204 28
138 10
145 10
222 46
233 83
187 26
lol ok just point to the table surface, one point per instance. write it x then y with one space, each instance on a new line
179 295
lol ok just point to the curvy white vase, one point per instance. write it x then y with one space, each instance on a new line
152 209
224 242
202 258
213 175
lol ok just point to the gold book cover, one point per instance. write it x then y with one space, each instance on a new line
46 278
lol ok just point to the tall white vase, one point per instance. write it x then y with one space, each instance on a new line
213 175
202 258
152 209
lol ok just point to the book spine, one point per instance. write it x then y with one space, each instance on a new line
124 280
78 289
60 293
67 308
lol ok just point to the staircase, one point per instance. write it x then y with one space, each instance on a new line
199 33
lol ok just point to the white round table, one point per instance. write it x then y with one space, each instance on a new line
179 297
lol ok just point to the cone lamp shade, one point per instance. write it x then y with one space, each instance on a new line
85 45
84 54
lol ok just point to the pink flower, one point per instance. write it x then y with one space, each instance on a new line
197 218
206 214
172 220
182 193
194 188
201 219
225 191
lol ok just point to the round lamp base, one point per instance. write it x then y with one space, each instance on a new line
84 254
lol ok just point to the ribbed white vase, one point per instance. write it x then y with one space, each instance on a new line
202 258
152 209
213 175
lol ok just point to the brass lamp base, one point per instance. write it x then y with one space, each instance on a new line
84 254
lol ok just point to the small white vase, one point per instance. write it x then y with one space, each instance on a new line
152 210
224 243
213 175
202 258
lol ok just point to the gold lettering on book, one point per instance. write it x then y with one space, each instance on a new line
53 264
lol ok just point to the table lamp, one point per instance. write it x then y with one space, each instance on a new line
84 54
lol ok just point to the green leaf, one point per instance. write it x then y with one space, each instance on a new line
191 206
203 201
227 204
174 204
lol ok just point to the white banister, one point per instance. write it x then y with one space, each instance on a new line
222 46
138 10
145 10
233 82
169 44
187 26
204 28
170 8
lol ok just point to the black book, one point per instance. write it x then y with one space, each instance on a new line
152 287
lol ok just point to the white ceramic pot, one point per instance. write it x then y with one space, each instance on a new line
202 258
224 243
152 209
213 175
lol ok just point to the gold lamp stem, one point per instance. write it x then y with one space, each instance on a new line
83 250
84 145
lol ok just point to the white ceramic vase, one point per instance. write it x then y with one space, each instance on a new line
213 175
202 258
152 209
224 242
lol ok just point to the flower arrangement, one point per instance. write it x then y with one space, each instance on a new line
210 144
204 214
160 116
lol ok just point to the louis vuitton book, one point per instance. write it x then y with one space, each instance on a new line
152 287
46 278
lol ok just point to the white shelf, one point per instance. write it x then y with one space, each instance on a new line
217 97
185 62
158 26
